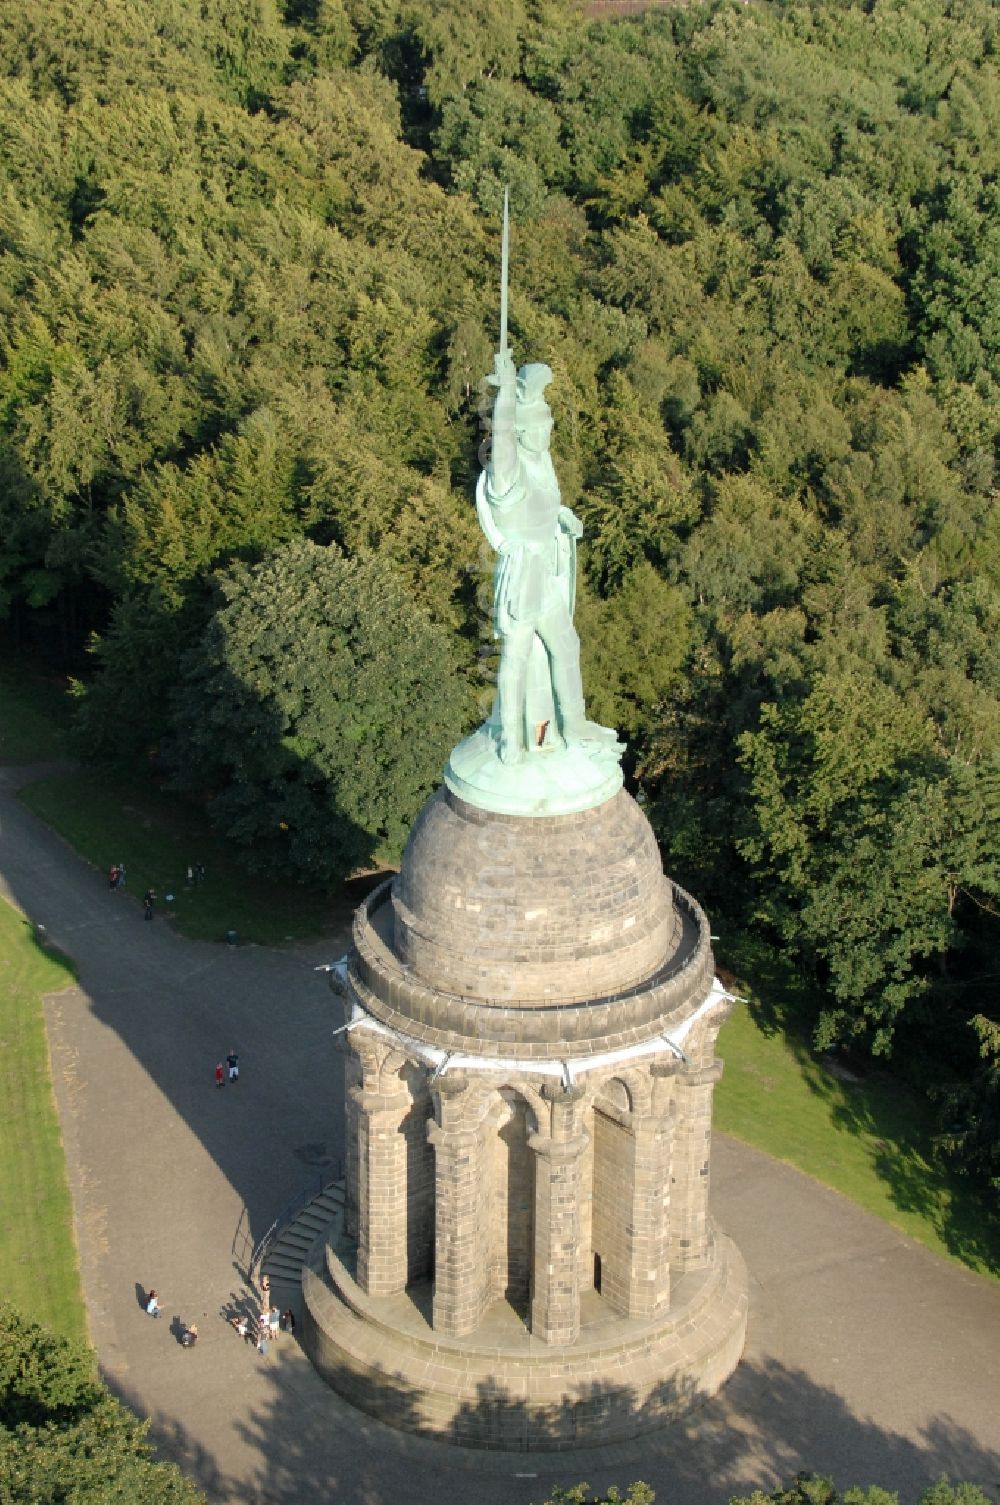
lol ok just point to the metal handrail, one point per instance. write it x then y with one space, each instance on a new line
288 1215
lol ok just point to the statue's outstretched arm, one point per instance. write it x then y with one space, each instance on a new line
503 464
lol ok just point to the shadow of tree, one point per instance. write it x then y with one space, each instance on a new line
893 1122
769 1422
778 1001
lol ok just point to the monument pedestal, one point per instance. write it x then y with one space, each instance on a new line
525 1258
502 1386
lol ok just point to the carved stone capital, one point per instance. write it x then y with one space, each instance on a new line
665 1068
558 1151
450 1137
704 1076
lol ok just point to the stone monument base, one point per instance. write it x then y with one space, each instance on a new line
502 1388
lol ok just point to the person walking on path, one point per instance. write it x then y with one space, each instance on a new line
113 877
147 903
263 1329
233 1062
219 1073
120 879
153 1304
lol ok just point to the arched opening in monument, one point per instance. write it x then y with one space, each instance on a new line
514 1203
611 1185
419 1178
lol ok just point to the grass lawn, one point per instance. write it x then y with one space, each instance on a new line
109 819
37 1249
157 836
34 712
852 1127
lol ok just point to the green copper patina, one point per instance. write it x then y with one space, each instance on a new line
537 754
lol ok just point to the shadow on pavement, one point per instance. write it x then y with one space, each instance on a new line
729 1445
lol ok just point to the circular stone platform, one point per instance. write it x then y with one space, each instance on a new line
506 1389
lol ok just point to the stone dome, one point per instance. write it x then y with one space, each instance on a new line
496 907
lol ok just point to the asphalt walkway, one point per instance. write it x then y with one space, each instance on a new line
868 1357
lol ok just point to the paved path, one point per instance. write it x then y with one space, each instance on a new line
867 1357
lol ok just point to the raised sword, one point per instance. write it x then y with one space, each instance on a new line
504 268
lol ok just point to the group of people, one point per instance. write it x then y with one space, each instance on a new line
189 1333
233 1064
116 880
269 1322
266 1326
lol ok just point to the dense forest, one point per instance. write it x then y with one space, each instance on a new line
248 274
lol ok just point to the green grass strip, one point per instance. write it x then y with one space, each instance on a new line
38 1254
158 837
855 1128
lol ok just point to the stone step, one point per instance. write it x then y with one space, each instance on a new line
314 1218
283 1261
289 1271
294 1244
296 1237
280 1273
331 1194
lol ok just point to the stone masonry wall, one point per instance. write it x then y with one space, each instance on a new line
690 1229
478 890
461 1253
352 1165
392 993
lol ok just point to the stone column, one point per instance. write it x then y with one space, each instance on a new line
690 1234
555 1302
378 1105
646 1208
458 1276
